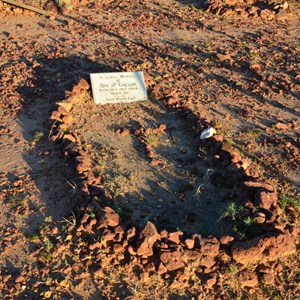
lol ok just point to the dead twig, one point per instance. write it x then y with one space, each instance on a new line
28 7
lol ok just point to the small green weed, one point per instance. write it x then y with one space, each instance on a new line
37 137
233 269
286 201
232 211
248 221
151 139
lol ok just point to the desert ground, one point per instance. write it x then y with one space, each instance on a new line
125 201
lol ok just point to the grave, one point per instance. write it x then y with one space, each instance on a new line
118 87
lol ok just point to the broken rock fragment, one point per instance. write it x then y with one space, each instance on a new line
148 237
269 246
109 217
247 278
172 260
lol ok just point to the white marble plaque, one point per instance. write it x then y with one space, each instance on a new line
118 87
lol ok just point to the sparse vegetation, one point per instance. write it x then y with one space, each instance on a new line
37 137
287 201
233 211
236 74
151 139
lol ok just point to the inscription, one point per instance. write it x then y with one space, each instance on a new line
118 87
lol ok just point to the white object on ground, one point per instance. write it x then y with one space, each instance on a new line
207 133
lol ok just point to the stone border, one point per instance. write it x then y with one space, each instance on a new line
164 252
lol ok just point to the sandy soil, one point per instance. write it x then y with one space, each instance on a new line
241 74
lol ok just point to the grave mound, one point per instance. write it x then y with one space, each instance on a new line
149 191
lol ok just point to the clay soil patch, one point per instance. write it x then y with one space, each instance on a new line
127 202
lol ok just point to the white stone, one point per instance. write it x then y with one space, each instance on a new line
118 87
207 133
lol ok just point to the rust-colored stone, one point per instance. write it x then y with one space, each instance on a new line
269 246
171 259
247 278
266 200
107 235
189 243
207 262
109 217
175 237
83 84
148 237
209 246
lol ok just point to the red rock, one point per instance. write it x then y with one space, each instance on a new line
259 184
56 116
207 262
125 132
161 269
189 243
281 14
66 105
89 226
226 239
247 278
259 217
217 138
131 233
67 120
269 246
175 237
267 14
268 278
62 111
173 101
84 166
171 259
145 277
148 237
21 278
83 84
294 231
109 217
84 218
52 7
70 138
131 250
155 162
119 229
99 273
264 269
107 235
118 248
282 126
256 67
162 127
76 89
193 255
209 246
95 246
211 281
164 234
266 200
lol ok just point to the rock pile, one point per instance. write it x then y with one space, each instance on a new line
265 9
165 252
